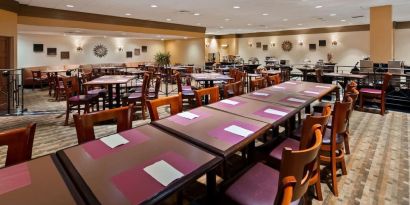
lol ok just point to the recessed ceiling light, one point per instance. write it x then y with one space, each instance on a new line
300 24
158 36
285 19
185 37
69 6
332 15
169 19
343 20
265 14
162 39
153 6
318 7
236 7
128 14
227 19
221 27
249 24
198 24
197 14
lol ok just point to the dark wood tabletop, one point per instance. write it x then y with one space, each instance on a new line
117 176
270 113
208 131
317 90
271 72
209 77
39 181
289 99
111 79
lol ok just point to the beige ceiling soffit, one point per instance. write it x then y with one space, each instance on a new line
303 31
41 12
402 25
9 5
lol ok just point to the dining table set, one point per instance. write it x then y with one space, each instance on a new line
149 163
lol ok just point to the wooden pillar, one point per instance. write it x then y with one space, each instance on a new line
381 34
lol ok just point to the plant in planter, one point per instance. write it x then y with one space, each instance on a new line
163 59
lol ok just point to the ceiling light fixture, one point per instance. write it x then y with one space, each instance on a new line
221 27
153 6
128 14
198 24
249 24
69 6
169 19
285 19
185 37
332 15
265 14
227 19
236 7
343 20
300 24
197 14
318 7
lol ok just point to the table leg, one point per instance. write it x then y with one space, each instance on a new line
304 76
207 85
117 95
109 96
307 109
249 83
211 186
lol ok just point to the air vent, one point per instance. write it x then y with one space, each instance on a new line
184 11
355 17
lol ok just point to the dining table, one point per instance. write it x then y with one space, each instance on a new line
210 78
110 81
345 76
317 90
39 181
144 165
305 70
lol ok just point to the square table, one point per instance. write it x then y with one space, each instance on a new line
117 176
111 80
208 131
209 78
255 109
317 90
39 181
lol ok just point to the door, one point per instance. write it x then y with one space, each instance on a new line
5 58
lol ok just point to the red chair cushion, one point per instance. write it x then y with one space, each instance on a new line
289 142
370 91
259 185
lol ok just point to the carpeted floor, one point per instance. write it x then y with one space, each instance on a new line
378 168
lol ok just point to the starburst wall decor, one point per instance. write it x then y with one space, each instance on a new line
100 51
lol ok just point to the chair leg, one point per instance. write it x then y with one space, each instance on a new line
334 176
343 164
346 143
143 111
383 104
318 189
67 114
361 102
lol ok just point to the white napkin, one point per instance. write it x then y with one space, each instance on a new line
114 140
188 115
310 92
163 172
321 86
260 94
230 102
238 131
288 82
279 87
275 112
296 100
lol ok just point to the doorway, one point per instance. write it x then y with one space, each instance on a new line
5 60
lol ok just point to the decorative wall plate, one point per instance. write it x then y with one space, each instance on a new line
287 46
100 50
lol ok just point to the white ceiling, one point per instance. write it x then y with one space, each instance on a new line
43 30
219 16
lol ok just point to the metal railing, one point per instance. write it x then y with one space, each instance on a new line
11 91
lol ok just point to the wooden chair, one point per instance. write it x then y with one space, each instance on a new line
273 79
257 84
378 95
84 124
75 100
175 103
99 92
51 83
332 149
19 144
138 99
186 90
303 139
212 92
38 78
59 90
319 75
154 94
264 185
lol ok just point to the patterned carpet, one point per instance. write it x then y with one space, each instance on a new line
378 168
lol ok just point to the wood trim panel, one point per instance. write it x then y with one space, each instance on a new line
10 5
402 25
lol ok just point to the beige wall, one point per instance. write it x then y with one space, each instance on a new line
215 46
187 51
8 27
402 45
381 34
351 47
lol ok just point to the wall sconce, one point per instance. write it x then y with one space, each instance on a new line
250 44
273 44
334 43
224 45
120 49
300 43
207 45
79 49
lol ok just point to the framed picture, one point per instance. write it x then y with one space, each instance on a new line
137 51
65 55
322 42
129 54
51 51
265 47
144 49
312 47
38 48
258 45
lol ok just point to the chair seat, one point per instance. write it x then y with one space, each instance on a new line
81 98
371 91
186 88
134 95
289 142
259 185
327 137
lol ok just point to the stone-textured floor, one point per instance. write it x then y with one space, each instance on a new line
378 168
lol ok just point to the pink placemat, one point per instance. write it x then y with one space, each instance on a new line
286 100
14 177
138 186
229 137
312 89
97 149
222 105
184 122
274 117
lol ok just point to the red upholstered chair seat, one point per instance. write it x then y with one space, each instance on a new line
81 98
289 142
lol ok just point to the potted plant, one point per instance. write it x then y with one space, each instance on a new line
163 58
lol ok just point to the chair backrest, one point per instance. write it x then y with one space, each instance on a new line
240 87
19 142
273 79
240 76
257 84
319 75
145 84
306 137
350 86
84 124
71 86
177 76
36 74
386 80
232 73
175 103
157 86
233 87
297 167
340 118
213 93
